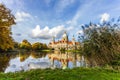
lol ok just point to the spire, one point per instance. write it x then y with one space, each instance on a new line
73 38
53 39
73 35
65 31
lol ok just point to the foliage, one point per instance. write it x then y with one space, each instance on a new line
44 46
62 49
101 43
16 45
25 45
67 74
39 46
36 46
6 21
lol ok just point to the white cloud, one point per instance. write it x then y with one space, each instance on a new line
104 17
22 16
69 22
80 32
47 33
62 4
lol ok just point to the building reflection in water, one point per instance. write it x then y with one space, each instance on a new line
66 60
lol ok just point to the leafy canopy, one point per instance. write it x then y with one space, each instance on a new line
6 21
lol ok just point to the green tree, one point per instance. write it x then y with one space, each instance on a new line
36 46
25 45
16 45
6 21
101 44
44 46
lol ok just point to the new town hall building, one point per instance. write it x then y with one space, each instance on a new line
64 43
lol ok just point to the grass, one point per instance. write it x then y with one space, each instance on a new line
67 74
46 50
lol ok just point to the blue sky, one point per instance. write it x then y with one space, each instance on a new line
39 20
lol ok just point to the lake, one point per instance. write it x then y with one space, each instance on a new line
23 61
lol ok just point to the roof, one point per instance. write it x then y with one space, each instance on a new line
70 42
77 43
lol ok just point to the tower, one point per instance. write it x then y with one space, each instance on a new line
53 39
65 36
73 40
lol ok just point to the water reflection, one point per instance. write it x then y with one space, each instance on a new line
4 60
66 60
33 60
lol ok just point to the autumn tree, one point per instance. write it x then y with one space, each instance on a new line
44 46
36 46
25 45
39 46
6 21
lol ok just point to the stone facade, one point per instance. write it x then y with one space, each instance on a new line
64 43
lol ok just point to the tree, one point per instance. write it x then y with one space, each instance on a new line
25 45
6 21
16 45
44 46
39 46
36 46
101 44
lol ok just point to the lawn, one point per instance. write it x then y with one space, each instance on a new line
67 74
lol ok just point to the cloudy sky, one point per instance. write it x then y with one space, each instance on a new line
39 20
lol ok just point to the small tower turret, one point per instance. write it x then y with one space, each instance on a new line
73 40
53 39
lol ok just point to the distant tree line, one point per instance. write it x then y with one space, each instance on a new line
28 46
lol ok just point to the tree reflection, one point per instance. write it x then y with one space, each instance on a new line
24 56
4 60
38 54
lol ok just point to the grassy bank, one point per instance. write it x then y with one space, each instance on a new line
68 74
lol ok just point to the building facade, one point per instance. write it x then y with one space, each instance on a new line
64 43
